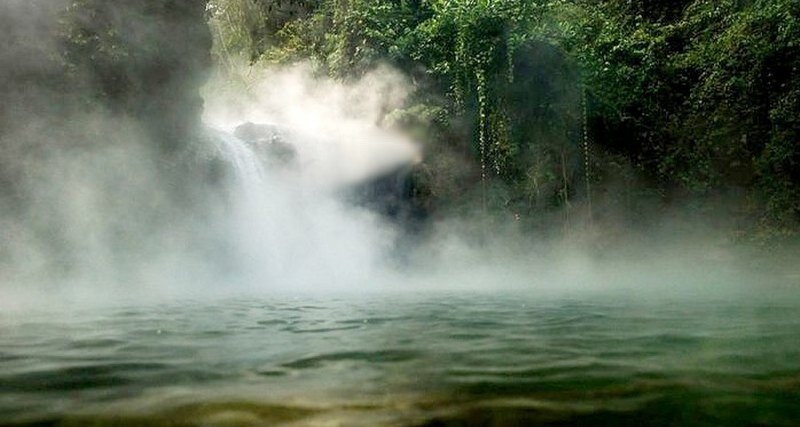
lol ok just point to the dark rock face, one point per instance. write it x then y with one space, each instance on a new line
395 195
144 61
28 68
103 98
143 58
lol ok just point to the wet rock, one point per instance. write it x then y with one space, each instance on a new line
269 141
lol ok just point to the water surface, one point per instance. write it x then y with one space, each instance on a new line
405 360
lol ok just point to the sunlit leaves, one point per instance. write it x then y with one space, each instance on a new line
697 94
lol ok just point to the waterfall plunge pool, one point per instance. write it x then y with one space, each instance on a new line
402 359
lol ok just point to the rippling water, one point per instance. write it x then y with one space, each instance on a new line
435 360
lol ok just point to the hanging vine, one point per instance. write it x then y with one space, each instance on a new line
586 152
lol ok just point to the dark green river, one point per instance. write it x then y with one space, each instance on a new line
405 360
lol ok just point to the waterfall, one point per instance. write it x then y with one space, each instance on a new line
251 216
286 230
249 171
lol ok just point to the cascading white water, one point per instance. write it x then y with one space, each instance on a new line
249 170
288 231
290 224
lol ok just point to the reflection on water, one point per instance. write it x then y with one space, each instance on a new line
405 360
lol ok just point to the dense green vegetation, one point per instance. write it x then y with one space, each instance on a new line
586 109
582 111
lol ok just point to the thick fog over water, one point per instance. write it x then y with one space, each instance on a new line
94 210
190 243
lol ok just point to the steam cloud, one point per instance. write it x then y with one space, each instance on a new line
96 213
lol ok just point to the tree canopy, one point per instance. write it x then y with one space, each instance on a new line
556 100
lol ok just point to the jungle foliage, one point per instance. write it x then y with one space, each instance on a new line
563 103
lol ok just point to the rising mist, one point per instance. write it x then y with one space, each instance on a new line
130 194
